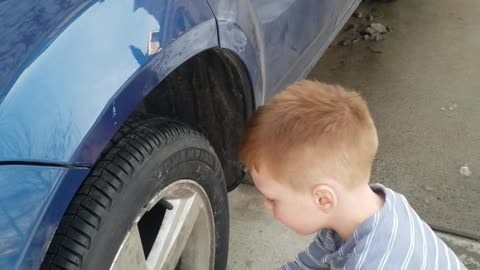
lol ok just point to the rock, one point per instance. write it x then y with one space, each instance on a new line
355 40
378 27
345 43
443 108
367 37
358 14
374 50
427 201
369 17
352 27
377 37
389 29
370 31
428 188
465 171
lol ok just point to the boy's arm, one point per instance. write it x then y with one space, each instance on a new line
316 255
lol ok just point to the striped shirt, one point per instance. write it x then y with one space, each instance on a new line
394 238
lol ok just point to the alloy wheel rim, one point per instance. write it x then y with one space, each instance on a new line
186 238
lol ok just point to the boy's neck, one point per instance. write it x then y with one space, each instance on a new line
360 205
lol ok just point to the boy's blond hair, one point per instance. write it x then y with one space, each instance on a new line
312 128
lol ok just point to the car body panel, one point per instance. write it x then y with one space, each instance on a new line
72 71
32 201
73 92
277 39
66 104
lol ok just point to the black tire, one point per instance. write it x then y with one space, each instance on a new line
122 183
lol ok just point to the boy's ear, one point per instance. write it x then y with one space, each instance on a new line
325 197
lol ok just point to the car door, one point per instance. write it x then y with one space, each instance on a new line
294 31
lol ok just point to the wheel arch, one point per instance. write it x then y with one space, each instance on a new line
213 93
234 74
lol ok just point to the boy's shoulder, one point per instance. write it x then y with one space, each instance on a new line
395 237
393 199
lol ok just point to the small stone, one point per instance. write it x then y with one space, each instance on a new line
378 27
374 50
377 37
345 43
389 29
358 14
443 108
465 171
453 107
369 17
427 201
370 31
366 37
428 188
352 27
355 40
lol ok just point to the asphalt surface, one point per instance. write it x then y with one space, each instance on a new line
422 83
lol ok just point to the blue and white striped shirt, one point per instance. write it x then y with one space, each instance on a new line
394 238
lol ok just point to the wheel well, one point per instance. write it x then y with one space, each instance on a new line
211 92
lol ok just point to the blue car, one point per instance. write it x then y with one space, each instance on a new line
120 122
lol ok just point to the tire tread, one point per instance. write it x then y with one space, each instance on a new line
137 139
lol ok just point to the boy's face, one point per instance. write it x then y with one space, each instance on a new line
295 209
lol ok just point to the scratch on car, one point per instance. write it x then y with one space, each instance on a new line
114 113
153 43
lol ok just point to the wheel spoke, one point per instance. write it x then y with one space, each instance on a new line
131 255
174 233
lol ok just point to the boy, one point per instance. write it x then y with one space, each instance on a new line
310 152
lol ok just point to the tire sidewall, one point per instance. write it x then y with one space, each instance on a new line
183 157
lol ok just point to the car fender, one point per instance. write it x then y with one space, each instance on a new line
239 31
82 84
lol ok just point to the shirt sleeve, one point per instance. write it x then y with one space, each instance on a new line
316 256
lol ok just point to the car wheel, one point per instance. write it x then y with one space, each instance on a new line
156 200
